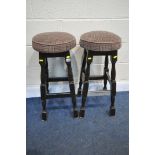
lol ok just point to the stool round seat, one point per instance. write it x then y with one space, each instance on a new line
53 42
100 41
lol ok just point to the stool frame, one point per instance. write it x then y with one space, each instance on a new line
85 71
45 79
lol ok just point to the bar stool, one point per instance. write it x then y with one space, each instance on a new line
54 44
98 43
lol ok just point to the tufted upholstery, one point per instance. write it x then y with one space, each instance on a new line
100 41
53 42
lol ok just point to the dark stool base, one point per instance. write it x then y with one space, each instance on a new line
87 60
45 79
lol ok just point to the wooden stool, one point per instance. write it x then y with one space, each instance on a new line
98 43
54 44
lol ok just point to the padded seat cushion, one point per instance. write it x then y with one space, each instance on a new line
53 42
100 41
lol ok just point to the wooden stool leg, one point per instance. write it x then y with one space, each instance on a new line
86 85
47 76
71 84
113 85
82 71
105 70
42 61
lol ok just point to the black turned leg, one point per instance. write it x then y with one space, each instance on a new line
86 85
82 71
71 84
42 62
113 85
105 72
47 76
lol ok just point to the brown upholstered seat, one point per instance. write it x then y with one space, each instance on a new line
53 42
100 41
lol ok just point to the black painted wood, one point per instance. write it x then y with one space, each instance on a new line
106 77
42 62
58 95
45 79
113 85
82 71
56 79
50 55
71 84
47 76
86 85
99 53
105 72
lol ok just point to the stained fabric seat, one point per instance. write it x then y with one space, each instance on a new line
53 42
100 41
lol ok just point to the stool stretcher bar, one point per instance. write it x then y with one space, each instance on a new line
56 79
101 77
58 95
96 77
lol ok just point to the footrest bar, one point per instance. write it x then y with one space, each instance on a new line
96 78
55 79
58 95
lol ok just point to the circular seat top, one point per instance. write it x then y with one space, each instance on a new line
100 41
53 42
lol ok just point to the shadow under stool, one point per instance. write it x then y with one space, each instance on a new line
54 44
98 43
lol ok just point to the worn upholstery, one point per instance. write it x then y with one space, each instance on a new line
100 41
53 42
